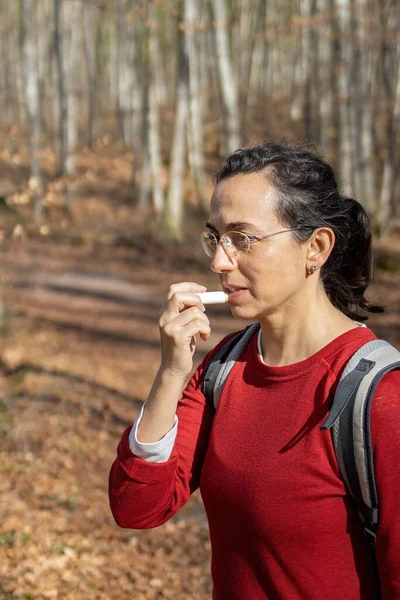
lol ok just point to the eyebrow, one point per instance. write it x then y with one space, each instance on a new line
239 225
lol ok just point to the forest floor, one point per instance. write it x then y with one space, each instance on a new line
79 348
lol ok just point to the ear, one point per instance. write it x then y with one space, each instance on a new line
319 247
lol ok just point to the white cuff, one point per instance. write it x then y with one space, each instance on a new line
155 451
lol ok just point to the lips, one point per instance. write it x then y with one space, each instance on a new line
230 289
234 292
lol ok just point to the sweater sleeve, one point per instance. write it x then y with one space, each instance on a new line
155 451
146 494
385 429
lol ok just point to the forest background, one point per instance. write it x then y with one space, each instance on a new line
114 116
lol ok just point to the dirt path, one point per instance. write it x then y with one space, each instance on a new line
79 349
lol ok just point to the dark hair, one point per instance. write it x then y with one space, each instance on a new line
307 197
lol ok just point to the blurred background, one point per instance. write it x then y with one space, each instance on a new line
114 116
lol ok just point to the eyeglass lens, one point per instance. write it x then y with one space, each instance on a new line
233 242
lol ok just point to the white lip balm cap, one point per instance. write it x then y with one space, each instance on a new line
213 297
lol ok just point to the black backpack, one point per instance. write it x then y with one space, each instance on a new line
348 420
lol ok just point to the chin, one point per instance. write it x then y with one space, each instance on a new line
244 312
251 312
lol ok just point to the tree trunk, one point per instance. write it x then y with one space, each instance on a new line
328 130
91 29
138 90
73 28
346 165
62 98
153 116
367 186
116 79
172 225
9 97
227 77
252 26
32 104
195 131
307 70
144 191
390 178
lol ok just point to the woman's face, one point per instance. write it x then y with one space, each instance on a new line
271 277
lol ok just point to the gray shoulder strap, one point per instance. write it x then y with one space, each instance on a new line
230 360
349 419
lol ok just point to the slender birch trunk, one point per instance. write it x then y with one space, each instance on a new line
390 169
172 224
356 103
256 83
153 116
366 182
328 130
195 131
302 69
7 90
116 79
72 25
41 27
61 94
91 30
250 30
144 191
32 104
346 165
227 77
139 97
307 71
137 94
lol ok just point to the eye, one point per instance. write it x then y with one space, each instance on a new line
211 238
240 239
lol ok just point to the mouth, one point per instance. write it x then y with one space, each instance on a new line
234 291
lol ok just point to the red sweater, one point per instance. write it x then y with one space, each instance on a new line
281 524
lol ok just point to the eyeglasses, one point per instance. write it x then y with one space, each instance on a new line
233 242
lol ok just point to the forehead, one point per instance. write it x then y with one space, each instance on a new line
243 199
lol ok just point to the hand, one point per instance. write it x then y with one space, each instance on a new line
181 319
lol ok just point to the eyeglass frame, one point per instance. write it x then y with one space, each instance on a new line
251 239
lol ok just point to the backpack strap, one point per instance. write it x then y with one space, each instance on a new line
350 422
221 364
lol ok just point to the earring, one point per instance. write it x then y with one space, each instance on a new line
312 268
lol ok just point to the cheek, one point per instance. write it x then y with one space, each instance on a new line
277 271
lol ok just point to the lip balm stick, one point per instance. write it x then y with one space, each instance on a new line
213 297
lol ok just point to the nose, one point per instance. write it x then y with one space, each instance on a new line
221 261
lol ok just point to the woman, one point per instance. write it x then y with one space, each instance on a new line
294 255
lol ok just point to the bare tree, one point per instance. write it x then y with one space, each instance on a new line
172 223
227 77
61 95
195 130
153 113
91 19
32 104
346 164
389 62
327 81
72 38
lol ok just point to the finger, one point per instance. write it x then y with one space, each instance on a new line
185 286
180 301
205 334
173 326
194 328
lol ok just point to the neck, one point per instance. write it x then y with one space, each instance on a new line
297 332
